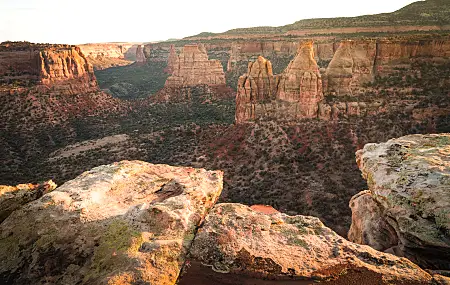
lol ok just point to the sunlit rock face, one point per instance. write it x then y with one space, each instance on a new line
257 86
294 94
406 210
301 81
140 56
235 239
193 68
351 67
126 223
59 68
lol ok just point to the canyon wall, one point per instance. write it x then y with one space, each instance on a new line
140 56
304 90
44 85
60 68
106 55
193 68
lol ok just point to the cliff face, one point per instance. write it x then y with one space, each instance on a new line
45 85
57 67
398 54
406 210
193 68
350 85
257 85
301 82
351 67
298 89
140 56
107 55
172 61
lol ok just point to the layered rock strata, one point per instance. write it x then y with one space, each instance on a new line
301 82
140 56
295 93
59 68
108 55
407 208
238 240
257 85
192 68
351 67
126 223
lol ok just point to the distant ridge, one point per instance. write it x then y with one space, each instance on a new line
434 13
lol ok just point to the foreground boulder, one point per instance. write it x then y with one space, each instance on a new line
124 223
239 240
407 208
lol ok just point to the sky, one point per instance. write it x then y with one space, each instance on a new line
95 21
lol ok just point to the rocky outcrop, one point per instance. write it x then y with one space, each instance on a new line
256 86
13 197
60 68
294 94
172 60
238 240
392 54
193 68
140 57
124 223
108 55
44 85
351 67
406 210
301 82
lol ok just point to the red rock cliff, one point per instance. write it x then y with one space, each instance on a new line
301 82
257 85
351 67
193 68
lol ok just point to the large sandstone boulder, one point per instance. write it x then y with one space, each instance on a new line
407 208
236 239
126 223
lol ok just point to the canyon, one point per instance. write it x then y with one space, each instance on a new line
260 127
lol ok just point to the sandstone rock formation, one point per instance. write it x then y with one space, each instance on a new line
238 240
172 60
60 68
393 54
351 67
13 197
256 86
125 223
294 94
301 82
107 55
140 57
43 85
193 68
407 208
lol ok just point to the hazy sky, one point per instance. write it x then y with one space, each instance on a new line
83 21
